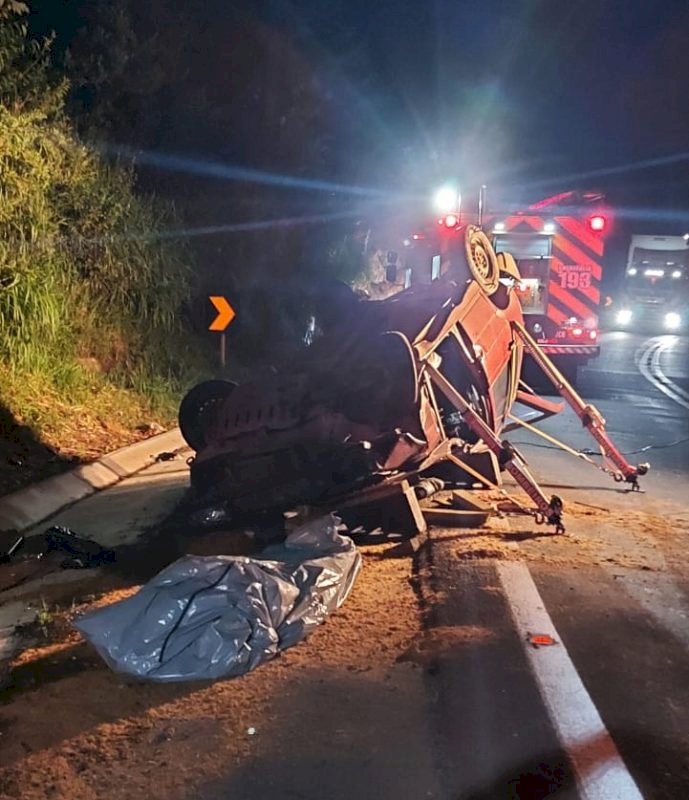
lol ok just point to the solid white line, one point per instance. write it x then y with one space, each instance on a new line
656 366
600 772
668 388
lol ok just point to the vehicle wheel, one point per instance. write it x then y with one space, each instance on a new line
482 259
197 408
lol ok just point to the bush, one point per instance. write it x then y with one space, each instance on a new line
91 291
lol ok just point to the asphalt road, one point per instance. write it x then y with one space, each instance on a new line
641 386
604 713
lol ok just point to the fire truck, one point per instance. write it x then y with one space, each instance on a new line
558 245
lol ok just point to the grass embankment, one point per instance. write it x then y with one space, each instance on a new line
92 293
91 416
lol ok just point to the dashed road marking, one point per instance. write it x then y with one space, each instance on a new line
600 771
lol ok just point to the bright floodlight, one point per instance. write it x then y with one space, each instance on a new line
549 227
499 227
446 199
672 320
597 223
631 271
686 237
677 273
624 316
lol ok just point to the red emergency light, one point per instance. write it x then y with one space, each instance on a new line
449 221
597 223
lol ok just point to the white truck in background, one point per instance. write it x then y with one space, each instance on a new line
654 294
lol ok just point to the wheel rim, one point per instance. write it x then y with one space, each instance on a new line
482 260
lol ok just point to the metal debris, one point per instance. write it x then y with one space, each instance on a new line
84 553
7 556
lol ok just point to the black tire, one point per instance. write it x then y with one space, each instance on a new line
197 408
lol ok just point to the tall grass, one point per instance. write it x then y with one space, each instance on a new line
90 293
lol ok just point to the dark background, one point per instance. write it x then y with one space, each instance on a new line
354 110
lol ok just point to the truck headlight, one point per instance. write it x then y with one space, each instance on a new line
624 316
672 320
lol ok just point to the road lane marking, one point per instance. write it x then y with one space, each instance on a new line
648 360
656 367
600 772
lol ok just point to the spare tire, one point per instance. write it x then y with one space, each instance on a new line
481 259
197 409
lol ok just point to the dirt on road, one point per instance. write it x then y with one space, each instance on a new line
347 713
341 711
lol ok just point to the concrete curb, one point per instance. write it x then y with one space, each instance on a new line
27 507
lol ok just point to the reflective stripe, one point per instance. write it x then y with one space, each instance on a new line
579 309
591 293
578 256
533 222
557 316
564 348
581 232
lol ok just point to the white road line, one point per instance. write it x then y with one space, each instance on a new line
600 772
657 369
648 361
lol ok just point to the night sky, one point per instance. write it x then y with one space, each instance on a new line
515 92
531 97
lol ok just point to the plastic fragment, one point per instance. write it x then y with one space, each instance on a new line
541 639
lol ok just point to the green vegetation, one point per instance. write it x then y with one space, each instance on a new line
91 295
44 617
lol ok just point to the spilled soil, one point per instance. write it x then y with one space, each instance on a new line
335 711
70 728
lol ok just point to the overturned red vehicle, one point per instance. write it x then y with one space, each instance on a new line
394 389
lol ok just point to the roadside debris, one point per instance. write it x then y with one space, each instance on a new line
208 517
166 456
458 510
428 487
540 640
6 557
84 553
150 428
218 617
